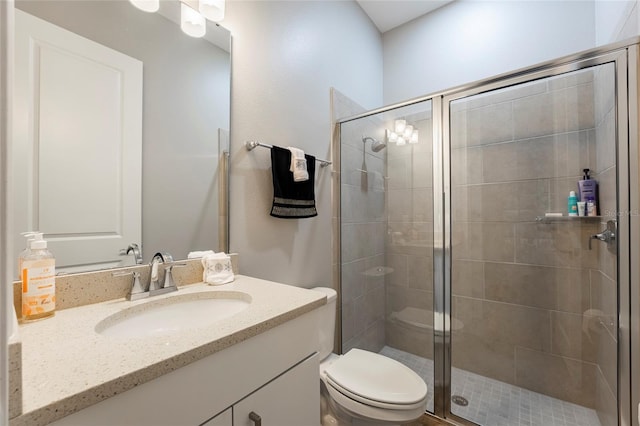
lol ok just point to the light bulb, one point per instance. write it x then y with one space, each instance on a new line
401 141
414 136
399 126
191 22
392 136
146 5
213 10
407 132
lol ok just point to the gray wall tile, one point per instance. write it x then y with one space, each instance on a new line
525 285
606 402
482 126
570 339
467 278
564 378
561 244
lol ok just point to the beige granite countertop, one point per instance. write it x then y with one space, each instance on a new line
67 366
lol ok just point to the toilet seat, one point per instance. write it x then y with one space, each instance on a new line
372 402
373 386
376 380
363 411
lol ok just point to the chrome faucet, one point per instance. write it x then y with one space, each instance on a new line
607 236
160 281
164 284
135 249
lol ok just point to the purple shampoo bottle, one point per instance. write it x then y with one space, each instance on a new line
588 188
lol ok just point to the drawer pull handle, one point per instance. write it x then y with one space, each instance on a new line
256 419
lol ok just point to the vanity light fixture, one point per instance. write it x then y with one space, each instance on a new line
146 5
213 10
402 133
192 13
192 22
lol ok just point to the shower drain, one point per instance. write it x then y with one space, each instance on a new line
459 400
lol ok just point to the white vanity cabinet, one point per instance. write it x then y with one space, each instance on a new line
289 400
223 419
274 374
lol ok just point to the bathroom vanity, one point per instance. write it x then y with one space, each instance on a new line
256 366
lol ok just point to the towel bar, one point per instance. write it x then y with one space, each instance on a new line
252 144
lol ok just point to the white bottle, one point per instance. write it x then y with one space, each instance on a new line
38 281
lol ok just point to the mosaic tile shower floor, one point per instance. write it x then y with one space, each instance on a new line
494 403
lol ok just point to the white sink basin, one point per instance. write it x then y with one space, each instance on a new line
172 314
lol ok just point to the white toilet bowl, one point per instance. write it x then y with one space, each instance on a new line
362 387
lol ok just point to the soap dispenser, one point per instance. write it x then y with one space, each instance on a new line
588 188
24 253
38 275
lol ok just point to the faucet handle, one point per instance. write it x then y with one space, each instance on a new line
154 277
166 284
156 283
168 277
137 290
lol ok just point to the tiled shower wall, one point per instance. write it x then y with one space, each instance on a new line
529 294
363 214
409 243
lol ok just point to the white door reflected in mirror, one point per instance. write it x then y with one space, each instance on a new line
185 113
78 135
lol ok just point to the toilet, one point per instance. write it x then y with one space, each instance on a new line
363 388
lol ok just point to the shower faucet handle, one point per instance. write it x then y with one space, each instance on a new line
608 235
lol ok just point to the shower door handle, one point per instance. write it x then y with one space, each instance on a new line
608 235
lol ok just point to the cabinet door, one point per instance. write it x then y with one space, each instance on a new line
223 419
292 399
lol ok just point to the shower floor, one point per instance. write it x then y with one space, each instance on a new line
494 403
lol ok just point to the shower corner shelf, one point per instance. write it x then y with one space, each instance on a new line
565 219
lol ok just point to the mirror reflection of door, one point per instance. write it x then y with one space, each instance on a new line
78 133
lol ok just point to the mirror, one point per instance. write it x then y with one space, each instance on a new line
163 195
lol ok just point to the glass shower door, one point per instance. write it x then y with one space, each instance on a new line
386 223
533 303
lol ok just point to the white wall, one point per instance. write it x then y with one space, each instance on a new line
286 56
615 20
469 40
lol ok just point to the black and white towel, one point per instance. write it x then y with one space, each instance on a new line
292 200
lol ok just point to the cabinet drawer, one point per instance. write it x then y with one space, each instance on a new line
292 399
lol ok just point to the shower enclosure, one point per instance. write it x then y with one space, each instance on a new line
453 259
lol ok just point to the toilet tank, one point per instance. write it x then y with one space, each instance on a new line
327 319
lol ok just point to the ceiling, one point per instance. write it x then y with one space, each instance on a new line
388 14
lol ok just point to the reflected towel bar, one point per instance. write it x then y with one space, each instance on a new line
252 144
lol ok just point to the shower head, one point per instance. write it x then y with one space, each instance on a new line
375 145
